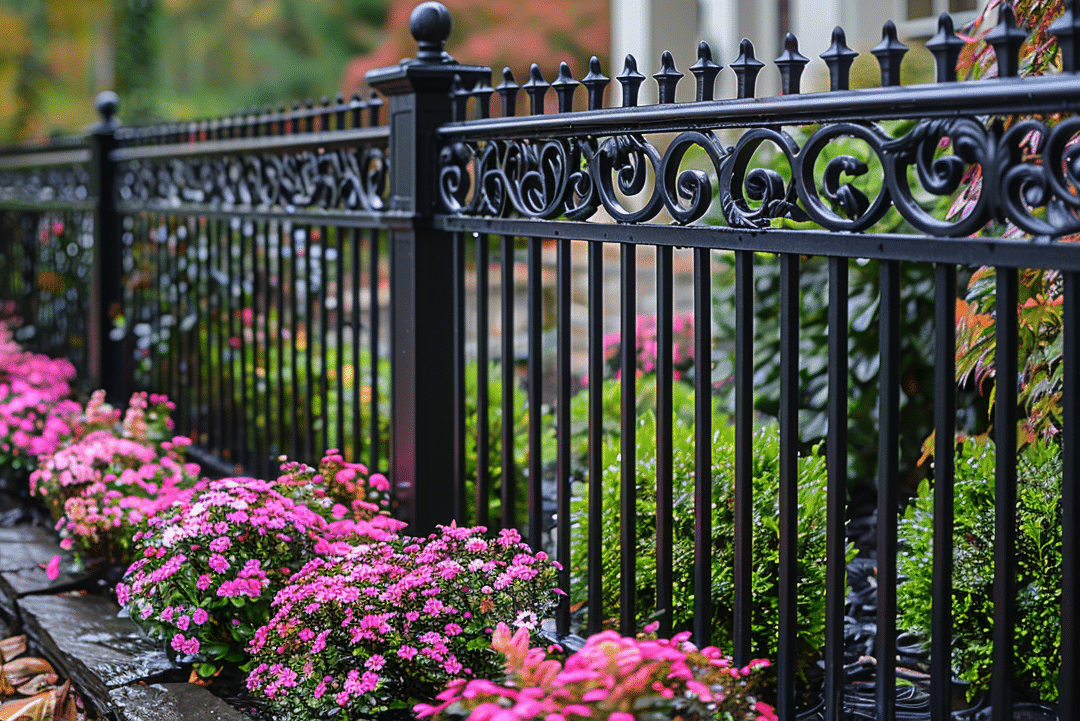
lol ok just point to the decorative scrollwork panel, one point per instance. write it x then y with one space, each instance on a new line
1028 175
343 180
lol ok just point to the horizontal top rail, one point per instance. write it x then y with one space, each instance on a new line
294 143
1001 96
45 157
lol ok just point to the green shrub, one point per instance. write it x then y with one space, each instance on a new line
1038 570
811 535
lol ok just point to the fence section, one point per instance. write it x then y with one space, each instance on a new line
251 251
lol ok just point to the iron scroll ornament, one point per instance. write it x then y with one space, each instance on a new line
1030 175
345 179
49 184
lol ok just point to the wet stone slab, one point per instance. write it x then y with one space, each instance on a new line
171 702
83 637
23 547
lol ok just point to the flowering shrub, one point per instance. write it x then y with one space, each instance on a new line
390 623
112 478
336 489
682 348
207 571
35 415
614 678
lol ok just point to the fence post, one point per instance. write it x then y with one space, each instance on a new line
421 282
109 368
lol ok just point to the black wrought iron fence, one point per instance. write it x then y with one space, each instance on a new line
237 266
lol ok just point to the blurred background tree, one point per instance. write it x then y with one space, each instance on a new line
183 59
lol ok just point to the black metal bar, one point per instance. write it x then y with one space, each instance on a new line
483 402
665 472
373 325
562 425
944 452
959 251
744 450
1045 94
339 333
460 436
294 382
702 447
245 421
1005 418
309 348
270 369
888 485
297 142
509 471
628 440
213 345
355 265
836 462
324 336
534 391
108 367
282 292
1069 676
789 485
595 569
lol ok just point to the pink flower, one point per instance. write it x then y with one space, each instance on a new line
52 570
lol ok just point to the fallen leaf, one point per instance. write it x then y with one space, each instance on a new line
39 683
38 708
23 669
12 647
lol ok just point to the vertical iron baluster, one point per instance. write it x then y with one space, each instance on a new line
260 285
309 320
245 422
535 304
276 370
324 335
1069 677
628 445
163 285
836 468
206 257
944 451
1005 417
483 430
355 265
339 329
460 438
373 339
222 242
664 464
596 436
294 381
509 472
789 484
562 423
744 450
888 482
702 446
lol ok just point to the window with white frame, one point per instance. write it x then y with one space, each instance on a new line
922 15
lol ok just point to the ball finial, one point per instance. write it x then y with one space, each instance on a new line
107 103
430 24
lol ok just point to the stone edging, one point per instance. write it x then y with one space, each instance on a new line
119 672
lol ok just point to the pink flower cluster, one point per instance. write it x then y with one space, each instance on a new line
394 620
112 478
682 349
208 568
612 678
337 489
35 415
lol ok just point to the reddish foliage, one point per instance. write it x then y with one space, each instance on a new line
498 34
